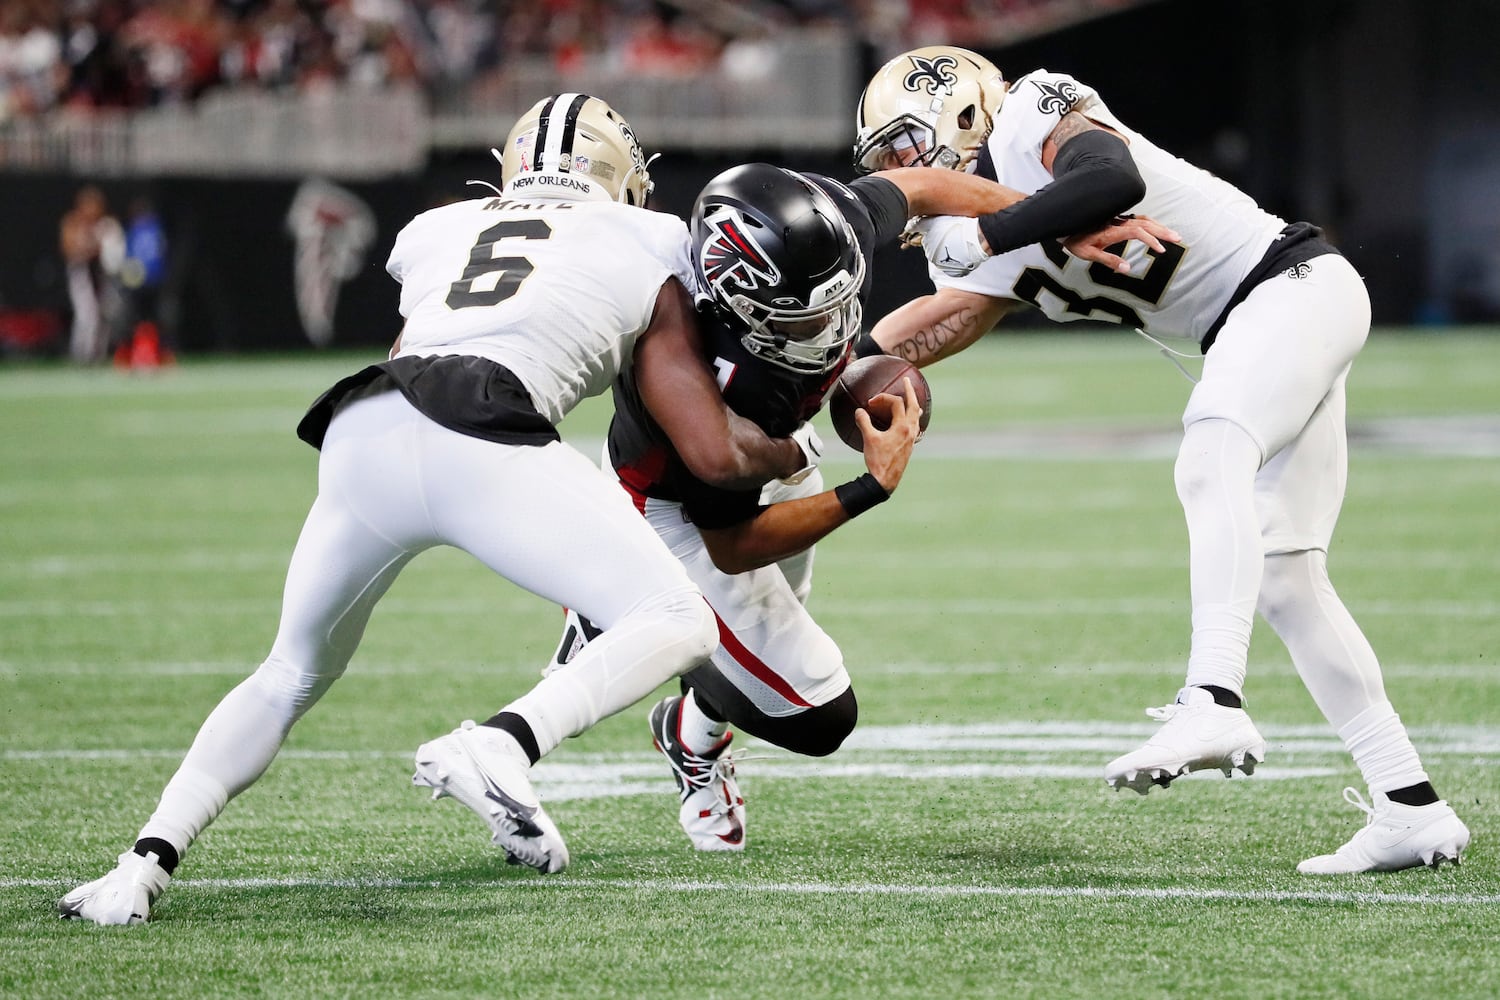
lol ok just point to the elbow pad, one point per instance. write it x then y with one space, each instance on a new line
1094 179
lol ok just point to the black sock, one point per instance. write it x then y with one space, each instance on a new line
1420 794
519 728
166 854
1223 696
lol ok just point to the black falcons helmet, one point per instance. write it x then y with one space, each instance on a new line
777 255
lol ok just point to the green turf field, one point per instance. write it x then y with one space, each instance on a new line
1006 619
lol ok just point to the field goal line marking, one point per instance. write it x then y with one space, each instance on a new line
828 889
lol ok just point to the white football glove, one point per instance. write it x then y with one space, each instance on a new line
812 449
952 244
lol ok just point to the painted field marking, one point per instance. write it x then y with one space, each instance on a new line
1012 750
565 883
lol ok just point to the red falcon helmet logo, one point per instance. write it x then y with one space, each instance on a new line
733 255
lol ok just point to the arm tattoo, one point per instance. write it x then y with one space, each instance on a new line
930 340
1072 124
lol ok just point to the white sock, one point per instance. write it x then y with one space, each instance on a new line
234 746
652 644
189 803
698 732
1382 750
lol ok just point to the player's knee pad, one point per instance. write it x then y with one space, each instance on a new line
822 729
1215 455
690 632
813 732
700 626
295 687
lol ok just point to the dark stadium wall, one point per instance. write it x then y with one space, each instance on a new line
234 265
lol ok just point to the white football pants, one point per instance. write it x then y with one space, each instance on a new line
1261 474
770 648
391 483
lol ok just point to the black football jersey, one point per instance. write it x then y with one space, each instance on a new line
775 398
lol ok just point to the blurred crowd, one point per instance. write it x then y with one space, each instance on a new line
90 54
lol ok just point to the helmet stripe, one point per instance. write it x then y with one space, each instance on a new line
554 139
541 132
570 128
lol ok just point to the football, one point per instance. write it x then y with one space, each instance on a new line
862 381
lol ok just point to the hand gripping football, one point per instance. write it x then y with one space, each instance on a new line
861 382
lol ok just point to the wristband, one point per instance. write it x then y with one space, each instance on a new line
865 346
859 495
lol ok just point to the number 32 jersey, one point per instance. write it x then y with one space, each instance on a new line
1179 293
555 291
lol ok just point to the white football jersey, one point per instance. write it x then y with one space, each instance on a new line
1176 294
555 290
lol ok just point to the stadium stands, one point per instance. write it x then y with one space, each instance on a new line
255 86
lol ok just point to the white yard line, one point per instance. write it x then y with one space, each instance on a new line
917 743
1059 750
565 883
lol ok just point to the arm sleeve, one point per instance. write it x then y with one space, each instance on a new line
874 208
885 204
1095 179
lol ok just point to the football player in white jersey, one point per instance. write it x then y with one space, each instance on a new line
1279 316
517 307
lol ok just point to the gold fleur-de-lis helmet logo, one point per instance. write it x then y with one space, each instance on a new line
931 75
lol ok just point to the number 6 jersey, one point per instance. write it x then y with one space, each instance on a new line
555 291
516 310
1181 293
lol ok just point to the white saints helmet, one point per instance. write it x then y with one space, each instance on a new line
930 107
574 145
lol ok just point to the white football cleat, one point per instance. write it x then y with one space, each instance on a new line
713 810
124 896
1395 837
1197 734
481 767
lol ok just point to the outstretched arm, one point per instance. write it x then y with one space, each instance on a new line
935 326
931 191
786 528
718 445
1095 181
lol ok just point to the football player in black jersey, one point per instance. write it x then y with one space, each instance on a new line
782 264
